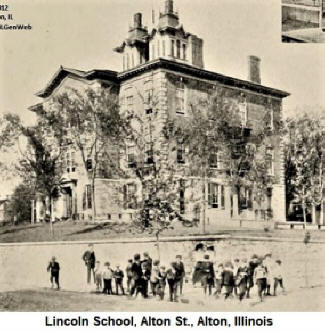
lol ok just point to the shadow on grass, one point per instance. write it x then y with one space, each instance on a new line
15 230
104 226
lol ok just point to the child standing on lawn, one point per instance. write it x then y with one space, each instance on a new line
260 279
162 282
278 276
218 278
228 280
119 276
129 275
107 279
54 268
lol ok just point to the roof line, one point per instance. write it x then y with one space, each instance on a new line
158 64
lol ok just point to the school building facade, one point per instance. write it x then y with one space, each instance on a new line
165 66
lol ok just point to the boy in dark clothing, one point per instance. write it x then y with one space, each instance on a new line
241 279
171 280
227 280
54 268
90 259
128 272
146 273
181 270
148 260
253 263
107 279
137 285
207 280
119 275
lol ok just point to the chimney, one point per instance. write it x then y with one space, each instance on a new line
169 6
254 74
138 20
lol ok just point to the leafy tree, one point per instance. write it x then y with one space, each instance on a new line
304 156
20 202
215 133
92 123
9 131
39 163
149 149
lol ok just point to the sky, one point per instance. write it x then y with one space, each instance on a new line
81 34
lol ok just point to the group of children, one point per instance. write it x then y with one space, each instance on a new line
104 278
143 272
238 277
231 278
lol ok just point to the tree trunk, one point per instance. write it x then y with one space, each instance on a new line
304 214
204 208
48 210
93 205
157 246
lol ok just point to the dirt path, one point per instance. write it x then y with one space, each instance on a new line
303 299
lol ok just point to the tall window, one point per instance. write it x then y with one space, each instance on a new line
271 119
129 103
178 49
130 201
180 99
70 161
172 48
180 153
184 52
149 154
246 198
269 160
213 195
148 97
213 160
87 201
181 196
243 113
131 157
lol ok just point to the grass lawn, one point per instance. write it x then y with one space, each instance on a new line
303 299
79 231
